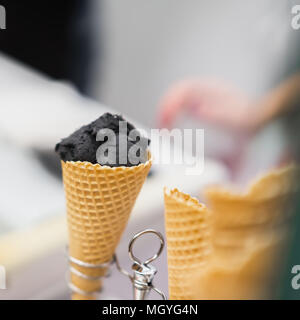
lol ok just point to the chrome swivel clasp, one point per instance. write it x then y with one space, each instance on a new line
143 272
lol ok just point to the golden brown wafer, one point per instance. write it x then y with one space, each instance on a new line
99 202
188 246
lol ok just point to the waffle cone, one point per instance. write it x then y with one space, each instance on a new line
252 276
99 201
249 237
241 220
188 245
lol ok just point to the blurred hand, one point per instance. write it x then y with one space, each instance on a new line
209 100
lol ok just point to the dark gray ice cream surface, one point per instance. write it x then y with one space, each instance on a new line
82 144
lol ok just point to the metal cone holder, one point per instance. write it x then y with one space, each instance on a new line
78 273
143 272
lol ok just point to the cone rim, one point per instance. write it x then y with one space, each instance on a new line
184 198
97 166
251 192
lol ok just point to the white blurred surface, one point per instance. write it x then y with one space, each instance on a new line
37 113
29 193
154 43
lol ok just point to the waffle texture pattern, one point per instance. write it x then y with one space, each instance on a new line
243 234
99 201
188 234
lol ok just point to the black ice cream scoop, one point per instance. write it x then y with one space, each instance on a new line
85 145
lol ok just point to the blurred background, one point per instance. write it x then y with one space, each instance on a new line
160 64
160 42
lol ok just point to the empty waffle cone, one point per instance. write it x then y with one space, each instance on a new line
243 219
252 276
99 201
188 240
249 237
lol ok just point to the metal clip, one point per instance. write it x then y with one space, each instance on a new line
143 273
